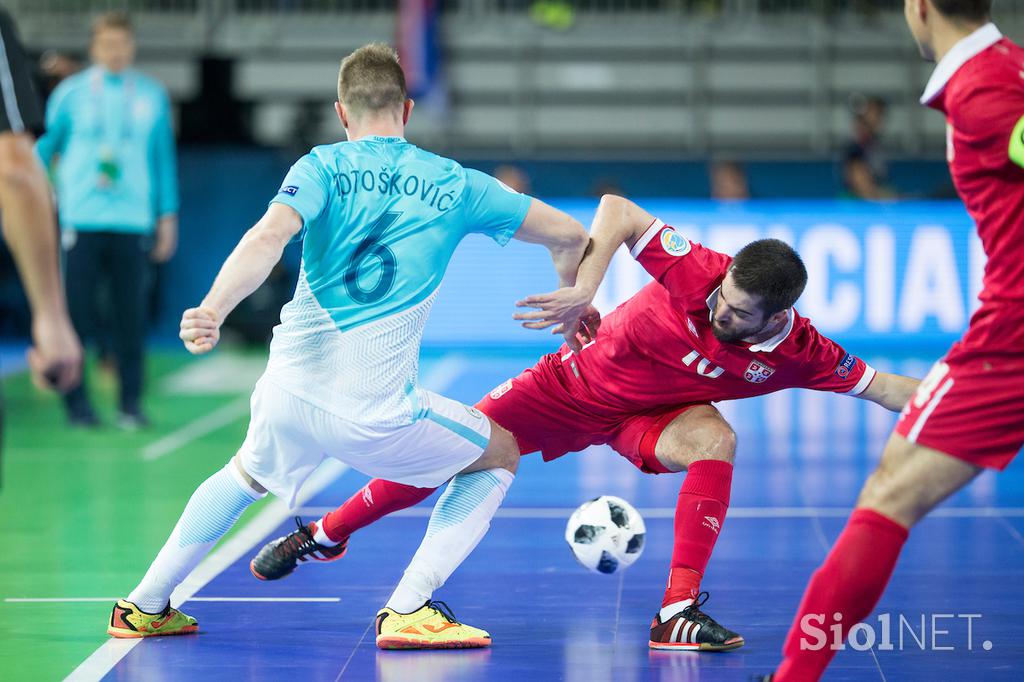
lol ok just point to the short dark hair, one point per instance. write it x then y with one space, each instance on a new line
112 20
969 10
771 269
371 79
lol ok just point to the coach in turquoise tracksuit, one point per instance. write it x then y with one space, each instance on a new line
110 142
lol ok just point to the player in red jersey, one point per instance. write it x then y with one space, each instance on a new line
710 328
968 414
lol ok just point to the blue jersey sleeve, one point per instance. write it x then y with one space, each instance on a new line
491 208
306 189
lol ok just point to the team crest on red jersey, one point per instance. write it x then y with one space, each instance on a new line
758 373
501 390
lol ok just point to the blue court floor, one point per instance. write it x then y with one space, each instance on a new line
802 457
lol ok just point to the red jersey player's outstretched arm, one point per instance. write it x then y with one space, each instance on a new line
891 391
617 221
826 366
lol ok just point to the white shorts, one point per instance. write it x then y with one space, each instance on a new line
288 438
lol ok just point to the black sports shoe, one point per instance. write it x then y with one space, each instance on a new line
692 630
280 557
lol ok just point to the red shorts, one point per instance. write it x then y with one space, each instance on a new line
970 408
537 408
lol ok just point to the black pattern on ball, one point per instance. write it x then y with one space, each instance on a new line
607 564
619 516
586 535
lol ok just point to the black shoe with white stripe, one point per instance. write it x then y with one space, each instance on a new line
690 629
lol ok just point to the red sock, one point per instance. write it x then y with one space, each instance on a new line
376 499
700 512
850 583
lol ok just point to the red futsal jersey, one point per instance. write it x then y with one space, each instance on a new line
656 355
979 86
658 348
971 405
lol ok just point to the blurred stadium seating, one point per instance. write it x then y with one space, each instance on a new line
751 77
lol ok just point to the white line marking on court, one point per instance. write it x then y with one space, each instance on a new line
1011 530
354 650
84 600
877 664
218 374
819 533
196 429
618 609
734 512
103 660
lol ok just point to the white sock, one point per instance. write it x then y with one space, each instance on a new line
667 612
460 519
211 511
320 537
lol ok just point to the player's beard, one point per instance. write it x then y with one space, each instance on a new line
736 335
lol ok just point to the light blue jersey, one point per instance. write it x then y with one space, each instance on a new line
381 219
113 137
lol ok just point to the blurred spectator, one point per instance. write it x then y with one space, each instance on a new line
728 181
116 179
865 171
514 178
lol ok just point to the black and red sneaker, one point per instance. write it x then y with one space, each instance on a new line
690 629
279 557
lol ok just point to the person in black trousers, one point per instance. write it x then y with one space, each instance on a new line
109 130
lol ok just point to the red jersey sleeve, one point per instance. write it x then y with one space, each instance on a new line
681 266
830 368
987 108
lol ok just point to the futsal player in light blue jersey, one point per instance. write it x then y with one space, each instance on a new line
379 219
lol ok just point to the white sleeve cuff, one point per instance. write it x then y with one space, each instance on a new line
646 238
865 380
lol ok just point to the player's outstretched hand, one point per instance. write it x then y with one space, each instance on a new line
55 358
200 330
583 332
564 309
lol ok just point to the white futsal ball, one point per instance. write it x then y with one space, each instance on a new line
606 534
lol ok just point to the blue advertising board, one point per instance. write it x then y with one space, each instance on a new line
883 275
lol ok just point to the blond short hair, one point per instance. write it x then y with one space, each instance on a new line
371 80
115 20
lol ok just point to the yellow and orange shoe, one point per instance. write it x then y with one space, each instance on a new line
432 626
128 621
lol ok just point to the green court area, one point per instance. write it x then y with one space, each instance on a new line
83 512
